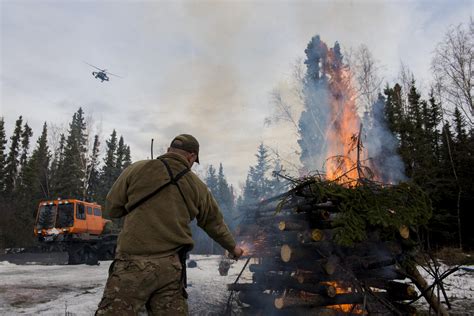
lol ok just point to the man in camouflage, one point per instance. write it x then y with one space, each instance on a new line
159 198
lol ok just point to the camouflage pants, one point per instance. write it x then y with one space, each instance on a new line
144 281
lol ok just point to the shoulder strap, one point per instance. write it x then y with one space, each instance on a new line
173 180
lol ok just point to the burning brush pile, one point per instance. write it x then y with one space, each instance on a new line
323 248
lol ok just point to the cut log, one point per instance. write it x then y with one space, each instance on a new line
290 253
256 298
404 232
276 281
292 225
301 311
315 235
298 299
392 287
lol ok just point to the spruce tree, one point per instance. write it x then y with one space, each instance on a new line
73 168
25 145
431 121
93 172
108 173
3 156
127 158
122 157
460 127
226 199
211 181
249 194
35 174
12 162
56 170
259 176
34 184
314 118
257 185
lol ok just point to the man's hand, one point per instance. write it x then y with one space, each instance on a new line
236 253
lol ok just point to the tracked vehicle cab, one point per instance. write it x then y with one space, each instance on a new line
70 218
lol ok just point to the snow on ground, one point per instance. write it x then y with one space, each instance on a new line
76 290
459 288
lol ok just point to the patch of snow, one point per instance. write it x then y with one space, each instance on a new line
459 288
77 290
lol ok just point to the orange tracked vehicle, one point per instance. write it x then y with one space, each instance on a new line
76 227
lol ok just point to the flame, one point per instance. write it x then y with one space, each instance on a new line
344 123
342 288
248 248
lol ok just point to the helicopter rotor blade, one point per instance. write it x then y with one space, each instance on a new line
94 66
109 73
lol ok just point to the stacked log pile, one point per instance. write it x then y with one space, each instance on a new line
308 259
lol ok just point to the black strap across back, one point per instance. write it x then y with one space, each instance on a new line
173 180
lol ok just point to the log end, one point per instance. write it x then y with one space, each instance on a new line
285 253
404 232
317 235
279 303
325 215
331 291
281 225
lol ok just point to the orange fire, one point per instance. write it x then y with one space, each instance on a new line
341 288
343 126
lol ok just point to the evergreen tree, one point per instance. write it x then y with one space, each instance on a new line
431 121
257 185
93 172
314 118
3 156
211 180
72 169
277 183
32 185
249 194
224 194
25 145
56 170
35 174
127 158
259 176
12 162
460 127
108 173
122 159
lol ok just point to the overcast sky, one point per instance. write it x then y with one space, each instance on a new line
199 67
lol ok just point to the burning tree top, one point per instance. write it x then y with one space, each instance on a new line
331 118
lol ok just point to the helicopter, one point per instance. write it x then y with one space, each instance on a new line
102 73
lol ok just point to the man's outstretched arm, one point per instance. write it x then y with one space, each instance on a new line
210 219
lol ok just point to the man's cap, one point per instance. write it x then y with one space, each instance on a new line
187 143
